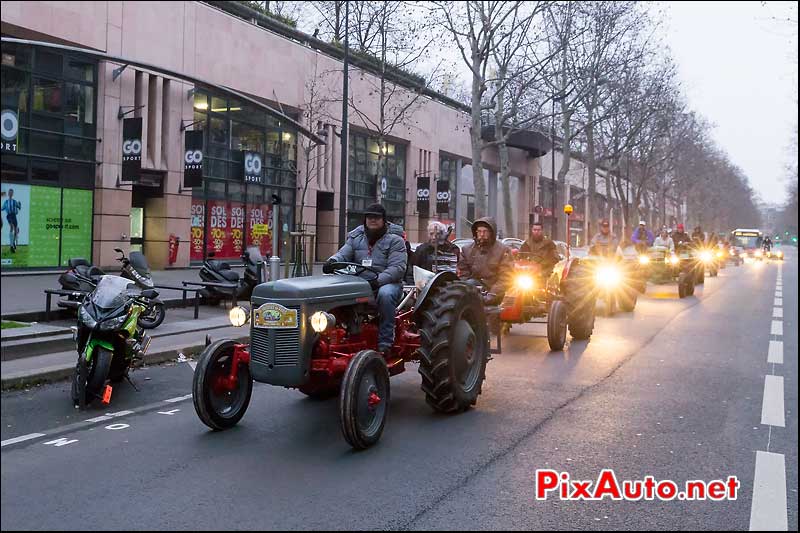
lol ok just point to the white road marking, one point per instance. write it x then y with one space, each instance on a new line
775 352
115 427
61 442
777 312
768 511
777 328
778 302
109 416
772 406
170 412
23 438
179 398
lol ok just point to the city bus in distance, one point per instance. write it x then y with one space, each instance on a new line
748 241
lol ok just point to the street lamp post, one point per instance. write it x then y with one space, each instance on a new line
344 136
553 167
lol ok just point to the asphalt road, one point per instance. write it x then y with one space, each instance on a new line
679 390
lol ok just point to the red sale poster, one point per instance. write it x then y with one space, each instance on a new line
220 240
236 227
198 227
259 227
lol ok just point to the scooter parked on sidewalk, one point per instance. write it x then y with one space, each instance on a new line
108 338
81 276
220 272
136 269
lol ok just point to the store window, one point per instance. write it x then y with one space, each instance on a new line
369 165
227 214
46 184
448 169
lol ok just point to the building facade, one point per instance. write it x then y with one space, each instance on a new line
173 68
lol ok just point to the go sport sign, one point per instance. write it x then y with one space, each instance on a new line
10 125
442 196
193 159
423 195
131 149
253 163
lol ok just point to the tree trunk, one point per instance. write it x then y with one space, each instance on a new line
592 168
505 167
477 141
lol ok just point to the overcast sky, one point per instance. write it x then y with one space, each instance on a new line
739 68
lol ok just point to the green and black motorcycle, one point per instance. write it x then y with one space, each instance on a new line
108 337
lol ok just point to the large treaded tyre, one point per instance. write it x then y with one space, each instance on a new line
627 299
557 326
581 302
454 347
217 408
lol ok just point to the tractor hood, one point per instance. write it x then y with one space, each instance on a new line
314 289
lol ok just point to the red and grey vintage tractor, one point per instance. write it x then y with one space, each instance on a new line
319 335
565 298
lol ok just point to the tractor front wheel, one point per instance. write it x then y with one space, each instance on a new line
219 405
364 399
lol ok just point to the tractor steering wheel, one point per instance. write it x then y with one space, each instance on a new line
344 268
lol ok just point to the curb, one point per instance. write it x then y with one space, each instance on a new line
62 372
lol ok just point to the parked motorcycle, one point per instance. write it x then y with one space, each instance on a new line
220 272
136 269
108 338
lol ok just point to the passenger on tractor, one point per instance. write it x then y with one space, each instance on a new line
426 254
373 245
486 261
664 240
680 237
540 249
604 242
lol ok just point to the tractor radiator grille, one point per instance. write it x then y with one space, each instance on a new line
279 347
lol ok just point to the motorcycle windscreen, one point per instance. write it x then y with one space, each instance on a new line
112 292
139 263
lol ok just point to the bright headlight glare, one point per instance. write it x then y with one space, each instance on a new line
779 253
239 316
608 276
643 260
524 282
758 253
674 260
720 254
706 256
320 321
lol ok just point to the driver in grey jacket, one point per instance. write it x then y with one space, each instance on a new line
373 245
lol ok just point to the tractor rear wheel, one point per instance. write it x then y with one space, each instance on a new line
364 399
581 302
454 347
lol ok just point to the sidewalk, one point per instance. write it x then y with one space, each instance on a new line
23 293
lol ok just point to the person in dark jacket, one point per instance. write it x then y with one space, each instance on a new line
542 249
486 261
426 253
680 237
375 246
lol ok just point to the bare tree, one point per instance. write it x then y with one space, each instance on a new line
478 29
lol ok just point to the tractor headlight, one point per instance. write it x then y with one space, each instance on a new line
758 253
608 276
239 316
674 260
321 321
705 256
644 260
524 282
720 254
779 253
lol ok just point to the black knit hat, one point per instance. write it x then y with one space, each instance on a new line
375 209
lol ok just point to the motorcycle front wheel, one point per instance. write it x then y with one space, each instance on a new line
89 379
